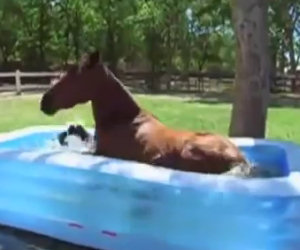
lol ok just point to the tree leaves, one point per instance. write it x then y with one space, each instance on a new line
164 34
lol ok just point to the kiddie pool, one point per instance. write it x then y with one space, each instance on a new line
119 205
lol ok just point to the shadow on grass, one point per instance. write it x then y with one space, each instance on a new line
276 100
190 96
283 100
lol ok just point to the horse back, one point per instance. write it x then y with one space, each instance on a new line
146 139
188 151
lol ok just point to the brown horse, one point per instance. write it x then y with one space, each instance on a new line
128 132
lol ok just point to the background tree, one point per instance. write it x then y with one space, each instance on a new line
285 23
9 11
252 68
152 35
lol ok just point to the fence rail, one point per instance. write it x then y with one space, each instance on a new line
194 81
18 75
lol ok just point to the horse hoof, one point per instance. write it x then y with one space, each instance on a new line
71 130
79 130
62 137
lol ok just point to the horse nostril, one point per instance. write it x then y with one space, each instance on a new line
47 104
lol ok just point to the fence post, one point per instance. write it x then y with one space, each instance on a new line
18 82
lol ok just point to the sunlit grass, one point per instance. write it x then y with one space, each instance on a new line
19 112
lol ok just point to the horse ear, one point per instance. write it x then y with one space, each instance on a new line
93 59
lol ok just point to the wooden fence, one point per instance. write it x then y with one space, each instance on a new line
18 75
191 82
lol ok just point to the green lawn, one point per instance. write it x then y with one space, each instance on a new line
19 112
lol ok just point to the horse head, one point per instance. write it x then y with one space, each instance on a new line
78 85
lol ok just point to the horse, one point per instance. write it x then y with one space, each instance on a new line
126 131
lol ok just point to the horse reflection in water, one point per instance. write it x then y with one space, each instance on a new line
126 131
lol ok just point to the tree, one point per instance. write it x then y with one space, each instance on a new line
284 19
161 35
9 11
118 27
252 79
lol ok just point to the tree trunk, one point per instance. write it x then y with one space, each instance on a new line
66 14
76 34
273 69
282 62
42 10
293 66
110 49
252 78
169 58
4 58
152 80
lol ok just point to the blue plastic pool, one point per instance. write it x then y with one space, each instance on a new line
118 205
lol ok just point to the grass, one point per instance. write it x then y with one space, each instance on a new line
19 112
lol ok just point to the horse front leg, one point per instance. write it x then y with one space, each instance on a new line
78 131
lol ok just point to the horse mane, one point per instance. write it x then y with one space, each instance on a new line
83 62
145 113
111 76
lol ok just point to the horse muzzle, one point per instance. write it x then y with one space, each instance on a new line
46 104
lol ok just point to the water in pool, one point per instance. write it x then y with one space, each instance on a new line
138 214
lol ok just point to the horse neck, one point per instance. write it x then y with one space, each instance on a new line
116 105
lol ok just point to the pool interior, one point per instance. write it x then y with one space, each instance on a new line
258 222
270 158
